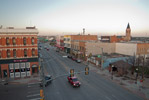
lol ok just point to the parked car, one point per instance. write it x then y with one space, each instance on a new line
74 59
78 60
57 50
48 80
45 47
74 81
69 56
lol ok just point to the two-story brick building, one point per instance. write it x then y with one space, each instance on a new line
18 52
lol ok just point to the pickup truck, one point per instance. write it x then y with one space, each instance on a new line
74 81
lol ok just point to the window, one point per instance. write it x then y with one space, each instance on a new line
32 40
14 41
24 40
8 53
25 52
33 52
0 54
14 53
7 41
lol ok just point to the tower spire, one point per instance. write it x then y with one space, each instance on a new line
128 26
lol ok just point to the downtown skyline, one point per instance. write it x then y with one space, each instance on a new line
102 17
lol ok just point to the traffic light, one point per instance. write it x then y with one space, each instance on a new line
86 70
71 72
41 93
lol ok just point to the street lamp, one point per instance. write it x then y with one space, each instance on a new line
112 72
136 75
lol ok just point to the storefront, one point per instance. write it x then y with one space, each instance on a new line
18 68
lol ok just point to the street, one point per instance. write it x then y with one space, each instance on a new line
93 86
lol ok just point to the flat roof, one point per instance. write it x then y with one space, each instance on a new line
18 30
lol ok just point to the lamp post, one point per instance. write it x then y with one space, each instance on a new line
43 80
112 72
102 58
136 75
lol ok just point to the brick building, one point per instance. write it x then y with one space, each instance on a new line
18 52
60 42
78 44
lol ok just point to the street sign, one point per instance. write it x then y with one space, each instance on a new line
99 56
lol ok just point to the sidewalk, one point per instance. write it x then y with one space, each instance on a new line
25 80
129 84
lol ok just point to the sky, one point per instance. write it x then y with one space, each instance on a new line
101 17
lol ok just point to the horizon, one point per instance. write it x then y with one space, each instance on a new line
105 17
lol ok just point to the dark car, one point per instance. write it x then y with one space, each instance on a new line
57 50
69 56
48 80
74 81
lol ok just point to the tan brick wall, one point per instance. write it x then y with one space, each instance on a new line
95 48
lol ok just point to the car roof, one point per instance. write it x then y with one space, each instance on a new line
73 77
48 75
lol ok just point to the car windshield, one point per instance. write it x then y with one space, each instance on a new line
75 79
47 78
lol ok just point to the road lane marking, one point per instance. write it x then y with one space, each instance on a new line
33 83
33 95
108 98
35 99
114 97
32 92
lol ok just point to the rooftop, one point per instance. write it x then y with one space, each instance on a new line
18 30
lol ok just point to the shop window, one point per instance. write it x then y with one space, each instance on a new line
17 70
14 53
8 53
24 40
11 71
28 69
23 70
33 52
25 52
32 40
14 41
7 41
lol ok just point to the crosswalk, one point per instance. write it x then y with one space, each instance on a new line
33 91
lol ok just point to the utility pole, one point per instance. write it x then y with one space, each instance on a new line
101 58
43 80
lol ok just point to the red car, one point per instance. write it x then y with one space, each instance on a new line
74 59
47 49
74 81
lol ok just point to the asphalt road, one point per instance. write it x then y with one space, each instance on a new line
93 86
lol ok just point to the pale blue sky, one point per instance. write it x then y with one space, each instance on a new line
102 17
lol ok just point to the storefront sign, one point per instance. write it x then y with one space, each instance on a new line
24 60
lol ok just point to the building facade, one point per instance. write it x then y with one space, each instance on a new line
78 47
67 43
60 42
96 48
18 52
